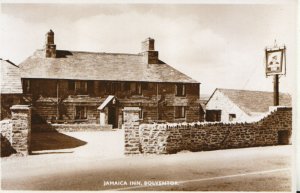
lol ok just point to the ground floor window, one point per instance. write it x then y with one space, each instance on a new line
179 112
80 112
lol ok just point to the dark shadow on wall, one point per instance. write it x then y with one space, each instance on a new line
6 148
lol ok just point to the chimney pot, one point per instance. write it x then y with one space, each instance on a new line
50 47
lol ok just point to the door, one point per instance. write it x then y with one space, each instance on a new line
113 116
283 137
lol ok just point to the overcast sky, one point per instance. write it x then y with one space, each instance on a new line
221 46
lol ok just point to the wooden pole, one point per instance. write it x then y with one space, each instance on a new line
276 90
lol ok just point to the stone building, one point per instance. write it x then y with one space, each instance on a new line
10 87
241 105
88 87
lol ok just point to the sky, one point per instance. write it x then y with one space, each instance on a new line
219 45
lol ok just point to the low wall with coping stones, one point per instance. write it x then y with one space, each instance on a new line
79 127
201 136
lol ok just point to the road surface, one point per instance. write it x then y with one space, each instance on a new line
248 169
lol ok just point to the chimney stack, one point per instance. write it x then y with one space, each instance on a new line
148 51
50 47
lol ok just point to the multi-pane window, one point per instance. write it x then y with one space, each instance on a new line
180 90
80 112
179 112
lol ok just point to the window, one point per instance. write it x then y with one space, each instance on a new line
114 87
80 112
26 86
179 112
180 90
232 117
213 115
145 86
81 87
71 85
90 87
125 86
136 88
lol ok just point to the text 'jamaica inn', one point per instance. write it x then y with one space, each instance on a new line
87 87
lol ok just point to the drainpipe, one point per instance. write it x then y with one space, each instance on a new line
57 114
157 101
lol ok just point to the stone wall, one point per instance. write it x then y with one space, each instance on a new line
6 138
21 129
79 127
16 133
131 128
273 129
6 129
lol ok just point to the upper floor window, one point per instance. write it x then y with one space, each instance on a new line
71 85
26 86
180 90
81 87
136 88
179 112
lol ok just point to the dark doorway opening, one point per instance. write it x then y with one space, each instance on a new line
112 116
283 137
213 115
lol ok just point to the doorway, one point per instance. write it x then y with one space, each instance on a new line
283 137
113 116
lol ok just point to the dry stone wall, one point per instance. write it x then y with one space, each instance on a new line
172 138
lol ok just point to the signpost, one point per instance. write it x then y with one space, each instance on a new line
275 66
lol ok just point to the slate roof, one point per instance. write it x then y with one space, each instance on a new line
99 66
255 101
10 80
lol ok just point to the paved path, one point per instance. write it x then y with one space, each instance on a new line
249 169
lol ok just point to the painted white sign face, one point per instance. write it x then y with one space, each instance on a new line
275 62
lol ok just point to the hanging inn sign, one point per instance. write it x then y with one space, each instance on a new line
275 61
275 66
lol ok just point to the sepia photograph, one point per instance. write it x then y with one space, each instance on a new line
195 96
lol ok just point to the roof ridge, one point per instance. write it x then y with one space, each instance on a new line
232 89
94 52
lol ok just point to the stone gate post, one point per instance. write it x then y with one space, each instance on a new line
21 129
131 130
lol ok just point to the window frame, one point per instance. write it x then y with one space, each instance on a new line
84 108
182 113
71 85
182 90
231 116
27 86
78 89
